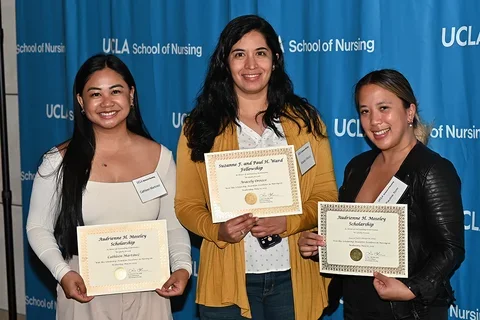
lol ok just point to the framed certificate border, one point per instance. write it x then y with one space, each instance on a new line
210 162
399 209
160 226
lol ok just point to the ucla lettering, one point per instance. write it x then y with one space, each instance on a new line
463 36
113 45
58 111
351 127
178 119
471 223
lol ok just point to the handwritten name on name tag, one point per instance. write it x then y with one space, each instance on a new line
149 187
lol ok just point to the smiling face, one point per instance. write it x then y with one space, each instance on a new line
106 99
250 62
384 118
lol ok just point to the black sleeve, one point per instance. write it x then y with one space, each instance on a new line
442 205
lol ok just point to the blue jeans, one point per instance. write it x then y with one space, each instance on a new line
270 296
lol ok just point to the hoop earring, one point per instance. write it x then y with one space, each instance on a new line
82 112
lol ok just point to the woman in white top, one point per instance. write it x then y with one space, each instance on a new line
88 181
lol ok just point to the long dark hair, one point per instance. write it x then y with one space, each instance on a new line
74 171
216 104
395 82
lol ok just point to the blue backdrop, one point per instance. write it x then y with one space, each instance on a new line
328 46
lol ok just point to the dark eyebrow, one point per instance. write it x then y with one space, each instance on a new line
114 86
241 50
383 102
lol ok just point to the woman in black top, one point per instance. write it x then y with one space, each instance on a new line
388 114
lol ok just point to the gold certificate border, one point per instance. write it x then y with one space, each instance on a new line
210 162
83 232
398 209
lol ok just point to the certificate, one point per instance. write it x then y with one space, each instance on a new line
263 182
364 237
123 257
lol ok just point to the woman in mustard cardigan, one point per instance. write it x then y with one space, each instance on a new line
247 101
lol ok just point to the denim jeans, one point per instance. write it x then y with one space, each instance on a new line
270 296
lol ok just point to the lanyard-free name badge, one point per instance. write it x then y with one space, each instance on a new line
149 187
305 158
392 192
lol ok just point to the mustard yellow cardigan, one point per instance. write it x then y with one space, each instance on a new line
221 278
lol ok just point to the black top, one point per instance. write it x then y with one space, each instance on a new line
435 234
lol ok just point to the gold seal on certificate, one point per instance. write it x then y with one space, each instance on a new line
356 254
363 237
263 182
123 257
251 198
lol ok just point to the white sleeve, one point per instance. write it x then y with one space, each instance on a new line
178 238
42 216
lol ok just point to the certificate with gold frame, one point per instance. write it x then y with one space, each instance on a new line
263 182
123 257
363 237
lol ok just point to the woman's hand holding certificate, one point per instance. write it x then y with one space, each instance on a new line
74 287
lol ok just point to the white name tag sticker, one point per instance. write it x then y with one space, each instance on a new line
305 158
149 187
393 191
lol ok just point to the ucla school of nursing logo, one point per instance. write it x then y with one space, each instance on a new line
123 46
329 45
352 128
460 36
